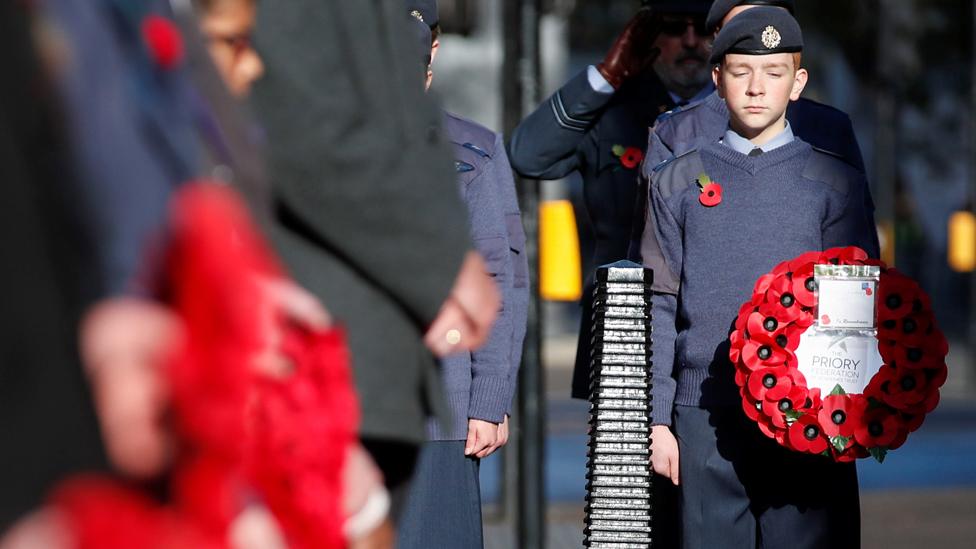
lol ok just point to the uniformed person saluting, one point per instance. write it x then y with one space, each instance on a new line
444 506
597 124
782 197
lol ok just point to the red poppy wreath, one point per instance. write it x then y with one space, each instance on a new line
844 425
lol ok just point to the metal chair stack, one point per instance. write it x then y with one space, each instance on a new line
618 509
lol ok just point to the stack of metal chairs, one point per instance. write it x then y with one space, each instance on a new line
618 509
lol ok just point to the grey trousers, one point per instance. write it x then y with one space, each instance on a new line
742 490
444 505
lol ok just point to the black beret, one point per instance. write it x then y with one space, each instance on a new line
426 9
420 32
691 7
721 8
759 31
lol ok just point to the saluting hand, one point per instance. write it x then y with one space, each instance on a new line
633 51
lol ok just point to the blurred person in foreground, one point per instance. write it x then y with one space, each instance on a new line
444 505
364 218
731 491
148 152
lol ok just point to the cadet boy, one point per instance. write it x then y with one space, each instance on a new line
781 198
444 506
684 128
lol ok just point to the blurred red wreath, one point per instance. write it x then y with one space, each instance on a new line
843 426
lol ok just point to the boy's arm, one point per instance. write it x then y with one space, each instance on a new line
661 251
490 366
852 224
518 296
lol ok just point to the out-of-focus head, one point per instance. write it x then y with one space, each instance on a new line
426 11
758 67
724 10
682 64
228 26
421 35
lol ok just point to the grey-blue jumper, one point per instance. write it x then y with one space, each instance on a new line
480 384
774 207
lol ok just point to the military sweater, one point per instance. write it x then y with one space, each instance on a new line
774 206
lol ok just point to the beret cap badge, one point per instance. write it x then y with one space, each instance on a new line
417 15
771 37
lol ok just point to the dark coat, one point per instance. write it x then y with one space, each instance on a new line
47 424
368 215
577 129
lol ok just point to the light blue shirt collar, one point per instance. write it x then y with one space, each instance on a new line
744 146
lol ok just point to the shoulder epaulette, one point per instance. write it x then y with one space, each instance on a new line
664 163
678 173
478 150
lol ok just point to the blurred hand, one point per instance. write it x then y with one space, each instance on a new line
255 528
633 51
381 537
42 529
466 317
664 452
286 304
361 480
482 438
125 343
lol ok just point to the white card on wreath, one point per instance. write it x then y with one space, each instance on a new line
829 359
846 303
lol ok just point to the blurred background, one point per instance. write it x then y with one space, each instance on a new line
904 71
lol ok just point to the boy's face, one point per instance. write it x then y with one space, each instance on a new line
757 90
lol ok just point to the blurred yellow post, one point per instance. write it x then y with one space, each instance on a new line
560 278
962 241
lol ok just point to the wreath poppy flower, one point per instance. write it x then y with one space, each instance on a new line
751 407
772 383
763 326
878 428
744 311
805 435
780 295
763 352
912 421
910 330
776 408
762 284
908 388
804 285
911 358
840 414
163 41
896 295
631 157
878 386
